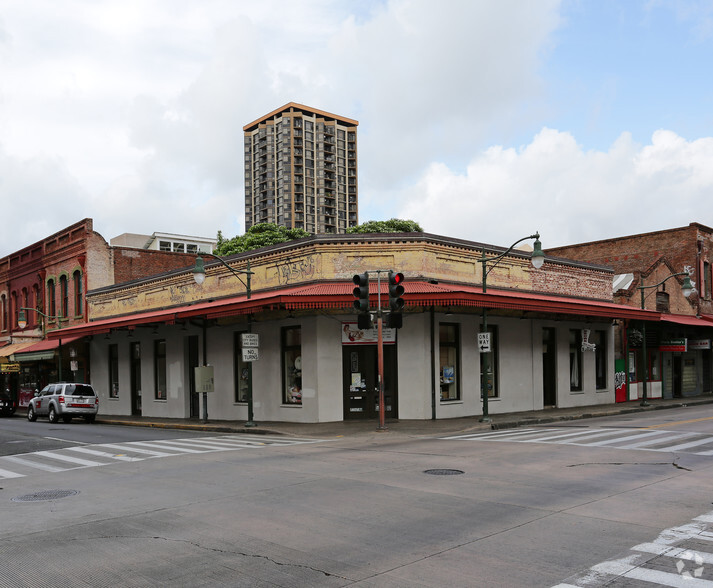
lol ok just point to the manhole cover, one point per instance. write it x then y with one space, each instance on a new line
45 495
443 472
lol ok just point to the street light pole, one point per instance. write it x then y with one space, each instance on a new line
199 277
22 323
687 289
537 258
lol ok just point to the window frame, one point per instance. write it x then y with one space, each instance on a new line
291 374
160 375
241 373
78 293
575 361
64 296
493 364
601 359
447 345
113 358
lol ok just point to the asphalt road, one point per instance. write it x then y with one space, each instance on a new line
546 506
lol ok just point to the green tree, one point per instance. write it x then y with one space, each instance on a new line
257 236
394 225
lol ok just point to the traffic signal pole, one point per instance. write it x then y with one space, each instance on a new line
380 347
396 304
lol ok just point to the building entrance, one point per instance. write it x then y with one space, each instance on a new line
361 381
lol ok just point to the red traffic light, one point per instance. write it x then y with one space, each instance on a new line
396 278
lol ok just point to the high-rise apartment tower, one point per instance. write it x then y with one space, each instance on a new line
301 170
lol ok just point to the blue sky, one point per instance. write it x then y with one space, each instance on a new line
484 120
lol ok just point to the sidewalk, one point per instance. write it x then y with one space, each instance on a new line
406 427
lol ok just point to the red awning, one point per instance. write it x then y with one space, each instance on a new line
338 295
682 319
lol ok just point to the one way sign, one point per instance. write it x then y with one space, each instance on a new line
484 342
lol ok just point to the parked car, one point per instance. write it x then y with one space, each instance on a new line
64 400
7 404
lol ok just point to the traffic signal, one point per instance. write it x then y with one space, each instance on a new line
361 304
396 303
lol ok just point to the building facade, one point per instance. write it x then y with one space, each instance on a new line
550 331
46 284
678 359
301 170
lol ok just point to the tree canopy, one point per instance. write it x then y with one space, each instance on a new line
264 234
257 236
394 225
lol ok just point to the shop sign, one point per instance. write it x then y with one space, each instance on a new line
10 368
673 345
694 344
353 335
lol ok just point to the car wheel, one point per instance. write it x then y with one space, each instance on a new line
31 414
90 418
67 419
53 417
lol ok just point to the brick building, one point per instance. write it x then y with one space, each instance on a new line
679 343
49 280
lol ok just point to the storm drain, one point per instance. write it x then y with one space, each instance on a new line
45 495
443 472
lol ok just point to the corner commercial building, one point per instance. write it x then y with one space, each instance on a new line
551 334
301 170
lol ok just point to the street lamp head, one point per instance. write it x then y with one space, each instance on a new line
21 319
687 287
538 257
199 271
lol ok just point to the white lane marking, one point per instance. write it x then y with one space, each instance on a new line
126 448
103 454
69 459
32 464
655 441
8 474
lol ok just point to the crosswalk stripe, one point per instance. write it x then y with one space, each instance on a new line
126 448
658 440
139 451
103 454
68 459
165 445
628 438
33 464
4 474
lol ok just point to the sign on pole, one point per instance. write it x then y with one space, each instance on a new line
251 354
204 379
249 340
484 342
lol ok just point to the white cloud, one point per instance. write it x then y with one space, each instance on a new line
568 194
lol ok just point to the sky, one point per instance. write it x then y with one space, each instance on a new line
483 120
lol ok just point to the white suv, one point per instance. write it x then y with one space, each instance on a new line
64 401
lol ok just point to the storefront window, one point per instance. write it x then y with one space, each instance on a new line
449 350
292 365
160 369
240 369
575 360
600 358
113 371
492 382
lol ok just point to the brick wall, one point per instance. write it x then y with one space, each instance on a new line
131 264
655 255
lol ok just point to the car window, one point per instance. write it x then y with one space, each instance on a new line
48 390
79 390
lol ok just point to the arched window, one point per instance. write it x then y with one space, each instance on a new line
51 302
78 301
37 302
13 310
25 303
64 296
3 312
